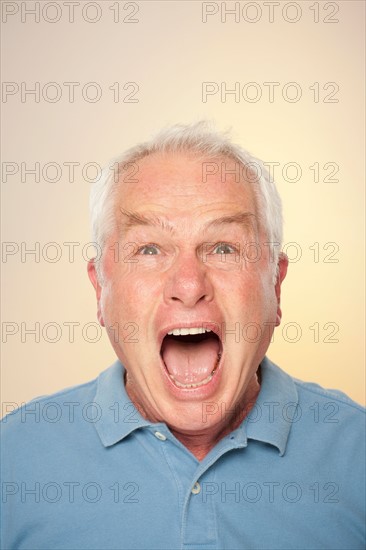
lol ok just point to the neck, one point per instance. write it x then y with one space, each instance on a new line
200 444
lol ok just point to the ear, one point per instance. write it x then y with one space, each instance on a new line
282 270
92 272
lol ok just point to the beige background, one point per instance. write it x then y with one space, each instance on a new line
169 52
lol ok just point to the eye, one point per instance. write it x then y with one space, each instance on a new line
223 248
148 250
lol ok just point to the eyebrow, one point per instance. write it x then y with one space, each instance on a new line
134 219
241 218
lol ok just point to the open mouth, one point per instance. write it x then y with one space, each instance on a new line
191 356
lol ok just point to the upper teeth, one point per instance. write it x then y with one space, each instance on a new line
185 331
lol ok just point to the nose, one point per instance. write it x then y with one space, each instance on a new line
188 282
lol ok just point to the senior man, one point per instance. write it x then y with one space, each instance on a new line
193 438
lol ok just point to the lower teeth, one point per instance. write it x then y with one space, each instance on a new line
205 381
202 383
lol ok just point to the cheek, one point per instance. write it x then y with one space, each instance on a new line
128 297
254 299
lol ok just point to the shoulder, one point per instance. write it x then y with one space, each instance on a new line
313 392
334 419
48 407
310 392
63 414
316 415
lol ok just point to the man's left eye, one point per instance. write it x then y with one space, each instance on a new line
223 248
148 250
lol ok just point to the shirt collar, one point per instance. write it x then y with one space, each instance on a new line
119 417
275 409
269 421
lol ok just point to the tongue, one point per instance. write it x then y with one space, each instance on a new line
190 362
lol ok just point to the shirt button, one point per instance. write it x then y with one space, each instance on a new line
196 488
160 436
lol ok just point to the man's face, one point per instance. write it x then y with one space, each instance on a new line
180 259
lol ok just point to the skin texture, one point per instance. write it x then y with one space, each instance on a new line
185 279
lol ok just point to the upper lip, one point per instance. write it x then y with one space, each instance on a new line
210 325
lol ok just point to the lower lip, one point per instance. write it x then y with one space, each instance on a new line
199 393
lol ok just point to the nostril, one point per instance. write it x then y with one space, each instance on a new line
176 299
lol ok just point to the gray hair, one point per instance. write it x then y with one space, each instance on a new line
201 139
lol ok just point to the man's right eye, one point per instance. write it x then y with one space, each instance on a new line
148 250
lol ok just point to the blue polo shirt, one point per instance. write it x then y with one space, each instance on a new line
81 469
